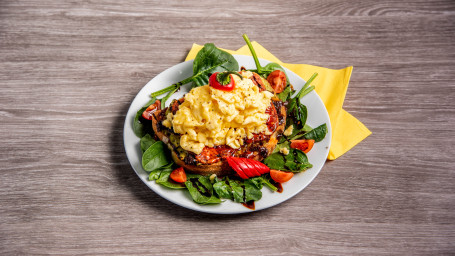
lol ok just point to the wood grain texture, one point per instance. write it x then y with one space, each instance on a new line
69 71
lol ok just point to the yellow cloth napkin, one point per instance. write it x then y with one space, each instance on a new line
331 85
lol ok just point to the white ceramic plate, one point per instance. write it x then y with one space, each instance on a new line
317 115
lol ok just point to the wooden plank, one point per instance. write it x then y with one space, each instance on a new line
69 71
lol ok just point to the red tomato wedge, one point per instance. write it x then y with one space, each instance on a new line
280 176
147 114
304 145
247 168
277 79
178 175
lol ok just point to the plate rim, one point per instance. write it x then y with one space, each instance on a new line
206 208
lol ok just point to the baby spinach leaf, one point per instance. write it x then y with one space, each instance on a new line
252 192
317 134
155 157
269 68
222 189
237 191
299 155
265 180
210 59
279 146
285 94
275 161
155 174
201 189
146 142
166 181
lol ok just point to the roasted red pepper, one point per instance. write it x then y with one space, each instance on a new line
223 81
247 168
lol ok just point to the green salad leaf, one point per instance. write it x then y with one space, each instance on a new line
155 156
317 134
146 142
201 189
210 59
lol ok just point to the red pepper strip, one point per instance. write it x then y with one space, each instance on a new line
248 167
236 168
262 168
245 168
251 167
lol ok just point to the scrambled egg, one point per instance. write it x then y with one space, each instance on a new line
211 117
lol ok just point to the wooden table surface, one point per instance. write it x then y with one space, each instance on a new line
69 71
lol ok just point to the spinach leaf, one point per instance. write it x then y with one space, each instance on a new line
201 189
264 180
295 161
297 114
210 59
155 157
285 94
155 174
139 128
284 144
165 180
222 189
146 142
275 161
252 192
237 191
269 68
317 134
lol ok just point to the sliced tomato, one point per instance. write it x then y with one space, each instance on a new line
147 114
277 79
280 176
178 175
304 145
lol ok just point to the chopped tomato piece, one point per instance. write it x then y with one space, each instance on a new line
304 145
280 176
277 79
178 175
147 114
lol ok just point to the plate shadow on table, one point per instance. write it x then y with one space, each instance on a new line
127 178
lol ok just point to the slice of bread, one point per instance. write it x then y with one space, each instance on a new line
222 168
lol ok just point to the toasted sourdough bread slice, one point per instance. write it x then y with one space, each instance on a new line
222 168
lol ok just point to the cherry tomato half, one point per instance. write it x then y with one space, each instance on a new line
304 145
147 114
178 175
277 79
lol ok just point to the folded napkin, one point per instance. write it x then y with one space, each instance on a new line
331 85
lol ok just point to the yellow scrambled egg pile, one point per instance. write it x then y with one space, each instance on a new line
211 117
